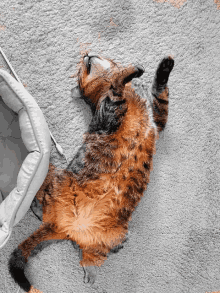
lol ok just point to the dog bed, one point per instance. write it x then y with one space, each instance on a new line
24 152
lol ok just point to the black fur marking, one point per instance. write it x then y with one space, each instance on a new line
140 147
48 190
138 185
75 245
16 268
43 245
132 146
161 101
107 118
161 125
116 249
77 162
123 216
37 209
131 195
146 166
159 112
115 92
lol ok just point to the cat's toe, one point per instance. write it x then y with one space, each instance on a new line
166 64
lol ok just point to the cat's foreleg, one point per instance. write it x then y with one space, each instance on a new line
160 92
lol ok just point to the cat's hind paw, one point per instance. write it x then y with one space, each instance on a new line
90 274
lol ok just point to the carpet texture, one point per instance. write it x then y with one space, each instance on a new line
174 245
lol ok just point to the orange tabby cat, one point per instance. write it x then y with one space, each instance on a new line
91 202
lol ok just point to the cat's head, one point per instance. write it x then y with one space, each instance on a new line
99 78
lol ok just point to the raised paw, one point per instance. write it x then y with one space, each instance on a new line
164 69
90 274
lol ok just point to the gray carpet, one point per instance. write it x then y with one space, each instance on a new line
174 244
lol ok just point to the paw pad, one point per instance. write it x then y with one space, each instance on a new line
164 69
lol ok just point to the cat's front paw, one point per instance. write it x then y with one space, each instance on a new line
164 69
90 274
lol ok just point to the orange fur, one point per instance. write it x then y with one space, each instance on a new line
93 206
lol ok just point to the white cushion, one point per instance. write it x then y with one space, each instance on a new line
35 137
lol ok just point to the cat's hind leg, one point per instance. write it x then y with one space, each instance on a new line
90 272
30 247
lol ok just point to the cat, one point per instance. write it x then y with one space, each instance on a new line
92 200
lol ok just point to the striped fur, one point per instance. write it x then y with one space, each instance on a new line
91 202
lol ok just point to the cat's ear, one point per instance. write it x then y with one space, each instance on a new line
76 93
131 72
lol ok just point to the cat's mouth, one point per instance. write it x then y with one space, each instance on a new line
87 62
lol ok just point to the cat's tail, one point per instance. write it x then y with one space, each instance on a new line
30 247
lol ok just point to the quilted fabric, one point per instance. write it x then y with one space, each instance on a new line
25 150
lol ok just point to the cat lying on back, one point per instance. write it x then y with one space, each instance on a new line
91 202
